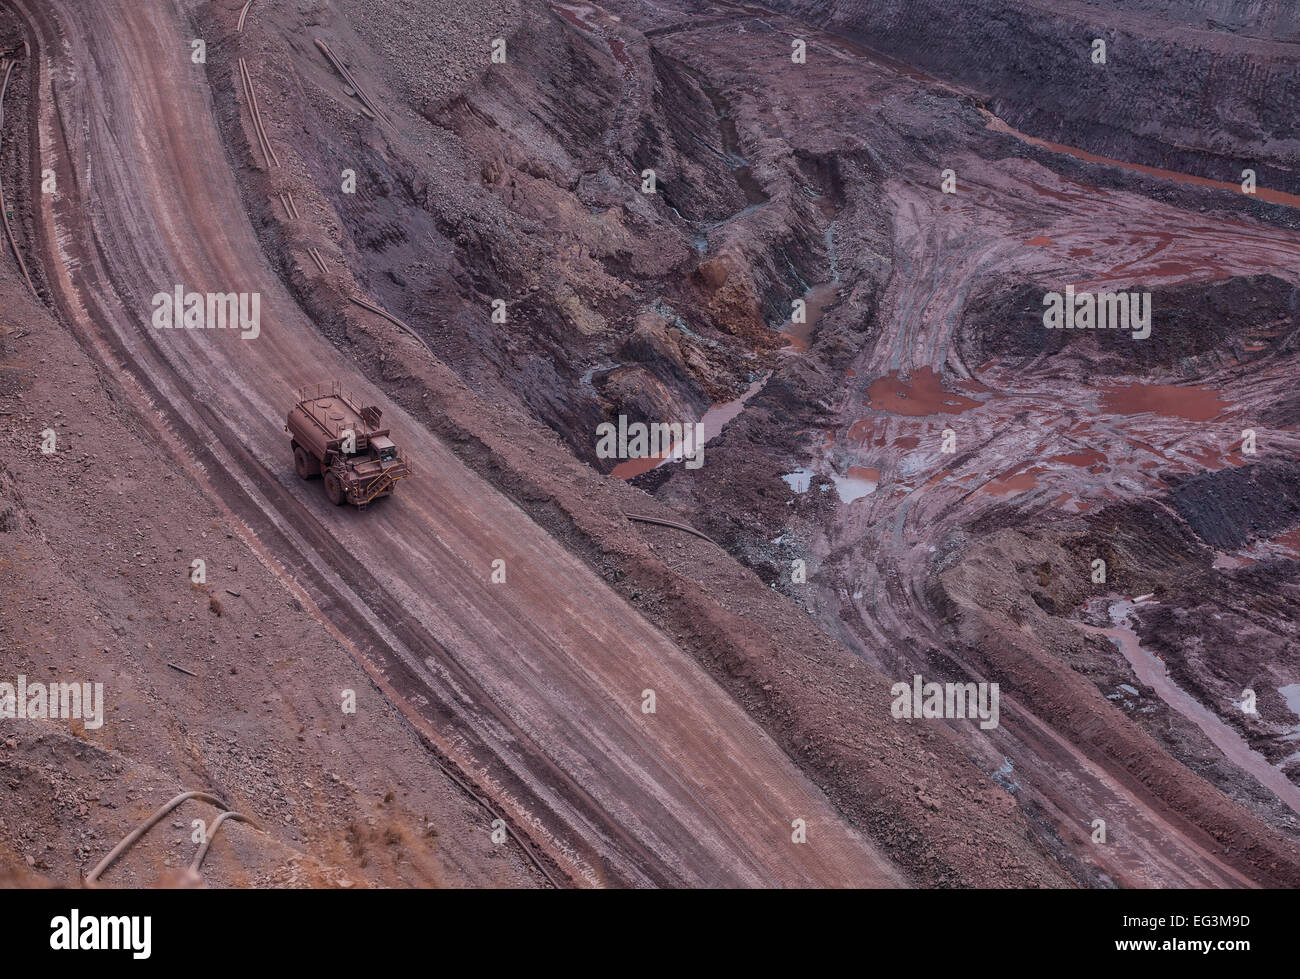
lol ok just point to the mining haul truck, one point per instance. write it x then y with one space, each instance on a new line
335 438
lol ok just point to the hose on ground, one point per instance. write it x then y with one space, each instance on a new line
669 523
144 827
216 825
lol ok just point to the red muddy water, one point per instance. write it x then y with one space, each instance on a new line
816 300
1011 485
1198 404
921 394
1151 670
1089 457
713 422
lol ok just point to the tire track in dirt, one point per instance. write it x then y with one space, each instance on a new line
538 684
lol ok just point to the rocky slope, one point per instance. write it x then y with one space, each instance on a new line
1199 87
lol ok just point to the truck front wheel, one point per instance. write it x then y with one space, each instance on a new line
305 463
334 489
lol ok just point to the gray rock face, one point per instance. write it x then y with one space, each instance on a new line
1206 87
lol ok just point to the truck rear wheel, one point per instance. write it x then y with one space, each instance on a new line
334 489
306 464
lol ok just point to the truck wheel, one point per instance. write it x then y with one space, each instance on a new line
334 489
306 464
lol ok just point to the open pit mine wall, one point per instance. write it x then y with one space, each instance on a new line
1197 86
1277 20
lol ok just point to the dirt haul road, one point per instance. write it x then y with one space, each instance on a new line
534 686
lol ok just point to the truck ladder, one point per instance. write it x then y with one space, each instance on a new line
377 486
